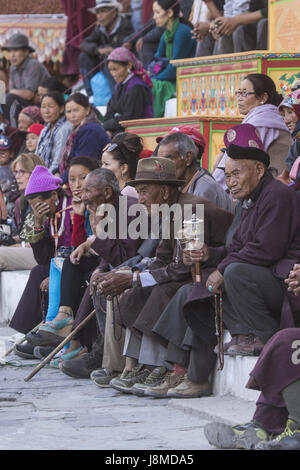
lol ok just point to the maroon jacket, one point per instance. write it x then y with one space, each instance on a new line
268 235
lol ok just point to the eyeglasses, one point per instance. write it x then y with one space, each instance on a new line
244 93
19 172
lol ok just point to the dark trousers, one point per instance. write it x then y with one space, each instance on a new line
12 108
184 347
253 300
29 312
74 280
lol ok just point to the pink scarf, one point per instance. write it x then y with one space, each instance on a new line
122 54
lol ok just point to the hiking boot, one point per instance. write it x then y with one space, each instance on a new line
246 345
155 378
289 439
102 377
125 384
241 436
171 380
82 367
188 389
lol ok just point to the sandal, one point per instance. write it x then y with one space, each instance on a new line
65 357
56 324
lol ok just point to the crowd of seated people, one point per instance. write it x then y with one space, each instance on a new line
64 166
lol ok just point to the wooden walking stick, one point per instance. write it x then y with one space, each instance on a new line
59 347
22 340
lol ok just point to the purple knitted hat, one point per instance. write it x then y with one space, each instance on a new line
243 135
42 181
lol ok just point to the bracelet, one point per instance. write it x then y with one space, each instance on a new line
38 229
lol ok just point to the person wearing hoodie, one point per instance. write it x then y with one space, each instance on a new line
258 101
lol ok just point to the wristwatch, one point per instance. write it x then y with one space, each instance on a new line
135 281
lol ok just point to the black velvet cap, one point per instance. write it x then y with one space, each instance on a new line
248 153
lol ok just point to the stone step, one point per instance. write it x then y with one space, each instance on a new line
234 376
228 410
12 285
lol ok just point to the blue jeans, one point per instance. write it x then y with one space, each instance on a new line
54 288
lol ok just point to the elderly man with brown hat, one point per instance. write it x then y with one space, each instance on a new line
148 292
25 75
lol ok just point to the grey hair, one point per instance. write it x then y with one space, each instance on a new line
104 177
184 144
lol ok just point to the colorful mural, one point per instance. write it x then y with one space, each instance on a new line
206 86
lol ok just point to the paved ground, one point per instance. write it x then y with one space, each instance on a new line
55 412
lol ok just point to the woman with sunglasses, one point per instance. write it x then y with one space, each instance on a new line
121 157
258 102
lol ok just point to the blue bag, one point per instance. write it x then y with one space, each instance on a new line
101 89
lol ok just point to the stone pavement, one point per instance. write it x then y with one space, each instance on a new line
56 412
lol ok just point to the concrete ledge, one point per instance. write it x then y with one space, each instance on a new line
12 285
234 376
228 410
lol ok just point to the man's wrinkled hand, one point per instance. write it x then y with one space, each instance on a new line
191 257
116 283
293 281
215 282
96 278
80 251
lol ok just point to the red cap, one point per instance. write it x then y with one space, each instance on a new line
146 153
35 129
188 130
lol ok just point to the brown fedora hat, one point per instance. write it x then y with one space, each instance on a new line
156 170
18 41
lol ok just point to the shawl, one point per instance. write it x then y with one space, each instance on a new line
47 140
266 115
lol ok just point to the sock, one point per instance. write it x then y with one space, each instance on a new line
179 370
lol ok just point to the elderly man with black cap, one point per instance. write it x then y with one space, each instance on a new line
251 271
25 75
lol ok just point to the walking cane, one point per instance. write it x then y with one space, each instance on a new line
22 340
59 347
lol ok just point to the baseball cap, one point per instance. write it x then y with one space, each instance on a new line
188 130
35 129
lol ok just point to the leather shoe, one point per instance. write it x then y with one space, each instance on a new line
246 345
188 389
